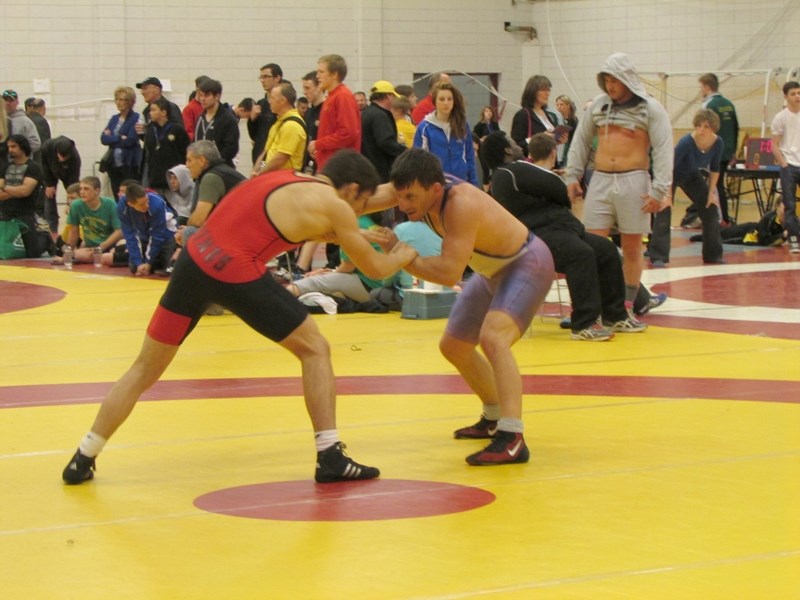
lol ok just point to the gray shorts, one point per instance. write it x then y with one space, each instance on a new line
615 200
348 285
518 290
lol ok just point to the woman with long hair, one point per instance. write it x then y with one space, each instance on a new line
488 124
125 152
566 108
446 133
534 116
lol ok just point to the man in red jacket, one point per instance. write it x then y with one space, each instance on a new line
340 119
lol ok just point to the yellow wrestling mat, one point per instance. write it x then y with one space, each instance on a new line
664 464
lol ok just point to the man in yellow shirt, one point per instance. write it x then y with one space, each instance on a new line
286 143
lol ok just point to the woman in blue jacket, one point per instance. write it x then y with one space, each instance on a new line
125 152
446 133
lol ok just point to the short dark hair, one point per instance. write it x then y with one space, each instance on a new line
348 166
276 70
540 146
64 146
790 85
21 141
127 182
416 164
134 191
311 76
247 103
92 181
211 86
162 103
200 79
493 149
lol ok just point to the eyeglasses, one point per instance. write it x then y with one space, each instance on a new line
266 76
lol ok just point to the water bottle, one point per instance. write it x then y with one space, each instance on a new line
97 256
310 168
68 257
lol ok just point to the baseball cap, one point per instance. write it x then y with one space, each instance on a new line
383 87
9 95
150 81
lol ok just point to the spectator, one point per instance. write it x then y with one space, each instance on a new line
97 218
165 145
60 162
192 111
786 149
361 100
20 122
426 105
488 124
591 263
446 133
340 119
149 230
73 194
217 122
151 90
213 179
379 141
122 141
36 110
407 91
534 116
261 117
315 97
181 189
695 153
286 143
302 106
19 191
566 108
401 111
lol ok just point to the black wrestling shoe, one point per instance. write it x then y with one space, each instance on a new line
334 465
485 429
80 468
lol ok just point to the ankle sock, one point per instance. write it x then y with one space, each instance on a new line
325 439
92 444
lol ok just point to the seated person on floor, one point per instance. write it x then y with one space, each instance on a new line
345 280
591 263
96 217
20 187
423 239
181 189
770 230
148 227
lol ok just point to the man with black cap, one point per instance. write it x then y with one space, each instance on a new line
21 122
151 90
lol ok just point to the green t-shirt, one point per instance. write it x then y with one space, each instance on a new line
97 224
364 222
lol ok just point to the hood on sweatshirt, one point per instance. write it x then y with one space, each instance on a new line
620 66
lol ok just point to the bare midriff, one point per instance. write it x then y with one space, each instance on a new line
621 149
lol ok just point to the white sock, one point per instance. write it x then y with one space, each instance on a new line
509 424
325 439
91 444
491 411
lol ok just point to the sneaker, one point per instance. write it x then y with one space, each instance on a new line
794 246
692 223
566 323
334 465
79 469
595 333
507 448
654 302
629 325
658 263
484 429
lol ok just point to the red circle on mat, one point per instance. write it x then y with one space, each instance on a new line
769 289
15 295
372 500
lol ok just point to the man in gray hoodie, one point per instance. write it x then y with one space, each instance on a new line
629 125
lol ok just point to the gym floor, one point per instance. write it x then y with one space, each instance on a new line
664 464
